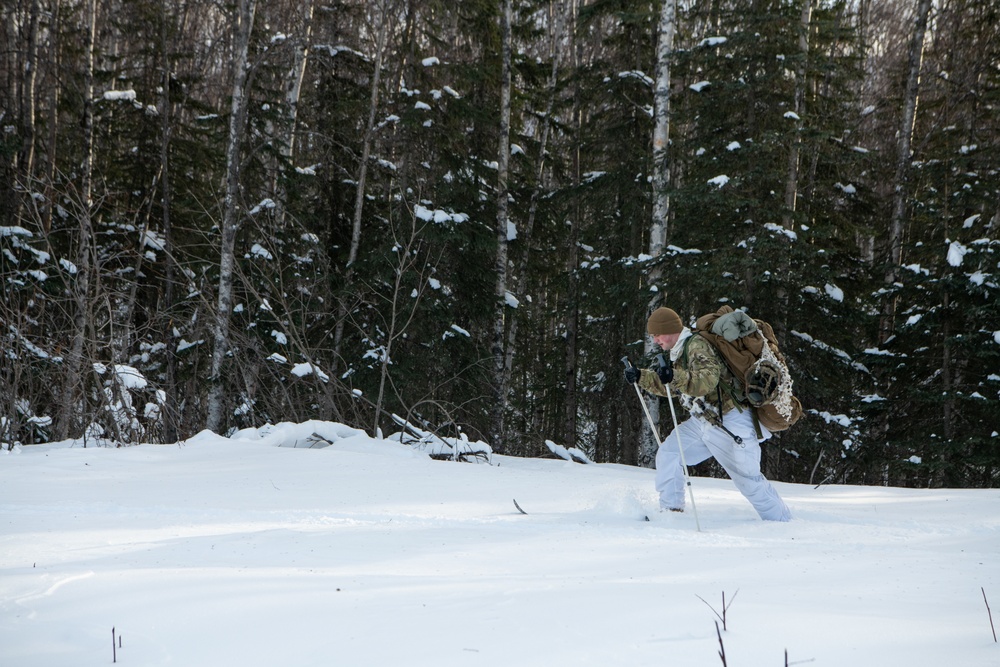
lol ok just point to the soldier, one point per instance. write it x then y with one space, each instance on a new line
720 425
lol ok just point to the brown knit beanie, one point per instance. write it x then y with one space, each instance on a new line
664 321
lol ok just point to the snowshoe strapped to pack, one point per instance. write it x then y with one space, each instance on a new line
750 350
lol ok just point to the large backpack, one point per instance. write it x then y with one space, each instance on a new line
750 350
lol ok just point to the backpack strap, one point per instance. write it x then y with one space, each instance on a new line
737 439
756 424
739 399
684 351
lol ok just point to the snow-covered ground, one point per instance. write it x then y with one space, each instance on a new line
267 549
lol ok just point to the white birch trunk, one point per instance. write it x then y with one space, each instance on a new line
297 74
292 94
231 215
359 197
798 107
72 392
54 60
901 179
661 133
167 305
573 256
497 430
794 155
27 160
661 197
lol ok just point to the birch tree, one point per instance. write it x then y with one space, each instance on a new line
242 27
498 410
359 196
55 24
73 395
303 27
572 364
294 91
792 178
166 115
28 95
659 227
792 170
901 178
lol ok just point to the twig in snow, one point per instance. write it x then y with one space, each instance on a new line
725 607
722 648
797 662
990 613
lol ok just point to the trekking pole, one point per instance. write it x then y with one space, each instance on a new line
659 443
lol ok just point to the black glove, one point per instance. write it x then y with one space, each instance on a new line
665 371
632 374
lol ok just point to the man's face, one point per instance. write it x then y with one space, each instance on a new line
666 341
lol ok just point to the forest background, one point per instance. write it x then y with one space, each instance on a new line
458 214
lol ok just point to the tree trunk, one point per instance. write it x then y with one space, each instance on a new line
359 197
798 107
292 94
11 65
661 196
28 101
571 406
73 395
230 217
53 121
517 275
497 425
169 412
901 179
792 173
661 133
297 74
948 405
572 311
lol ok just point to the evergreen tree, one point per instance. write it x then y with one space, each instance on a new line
938 363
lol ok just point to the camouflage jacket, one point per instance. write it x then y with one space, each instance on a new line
698 373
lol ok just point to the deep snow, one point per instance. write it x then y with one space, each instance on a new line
267 549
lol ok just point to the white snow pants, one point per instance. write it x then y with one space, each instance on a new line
701 440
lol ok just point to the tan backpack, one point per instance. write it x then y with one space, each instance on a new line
750 350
